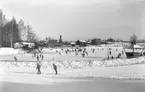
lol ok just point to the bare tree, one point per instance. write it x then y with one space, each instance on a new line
31 36
14 32
2 23
23 31
2 19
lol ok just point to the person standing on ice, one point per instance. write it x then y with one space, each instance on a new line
93 50
42 57
59 53
55 68
77 53
37 57
86 53
38 67
15 58
83 54
34 53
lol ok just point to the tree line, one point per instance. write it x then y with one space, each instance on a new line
12 31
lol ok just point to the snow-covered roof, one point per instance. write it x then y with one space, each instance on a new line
72 43
26 43
82 41
137 46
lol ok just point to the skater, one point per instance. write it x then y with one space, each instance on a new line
112 57
83 55
93 50
55 68
34 54
108 58
86 53
38 67
59 53
37 58
42 57
56 51
110 52
66 52
119 55
77 53
15 58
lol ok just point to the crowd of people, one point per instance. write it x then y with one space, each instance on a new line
81 51
77 51
39 57
39 64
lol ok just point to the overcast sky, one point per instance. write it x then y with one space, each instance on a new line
80 19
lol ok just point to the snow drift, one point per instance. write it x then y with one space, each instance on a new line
10 51
77 64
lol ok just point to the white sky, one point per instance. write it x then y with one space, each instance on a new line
40 2
79 19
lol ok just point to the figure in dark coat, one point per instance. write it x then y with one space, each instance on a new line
38 67
42 57
37 58
55 68
15 58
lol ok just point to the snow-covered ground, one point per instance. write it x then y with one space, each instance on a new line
48 53
10 51
69 65
117 68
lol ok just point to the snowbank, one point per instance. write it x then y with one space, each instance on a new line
105 68
9 51
78 64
